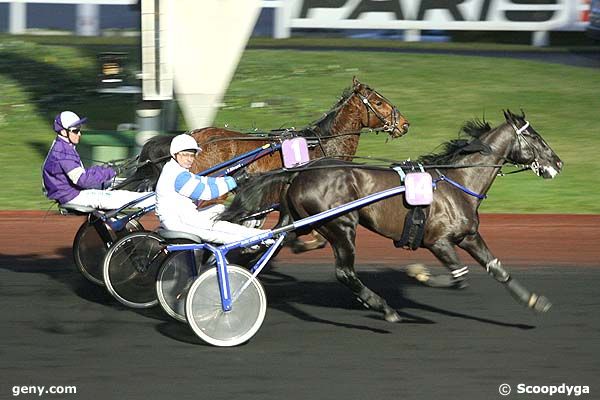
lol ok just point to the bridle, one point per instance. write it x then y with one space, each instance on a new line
388 126
522 138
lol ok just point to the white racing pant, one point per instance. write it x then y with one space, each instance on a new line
202 223
110 199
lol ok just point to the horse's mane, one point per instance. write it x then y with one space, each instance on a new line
325 123
455 149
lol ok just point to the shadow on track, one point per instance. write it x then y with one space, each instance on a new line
62 269
285 291
317 287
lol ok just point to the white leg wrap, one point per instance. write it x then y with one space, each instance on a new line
457 273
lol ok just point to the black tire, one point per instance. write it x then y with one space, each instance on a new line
130 268
89 248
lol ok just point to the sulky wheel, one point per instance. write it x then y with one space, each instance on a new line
174 279
130 268
225 328
91 243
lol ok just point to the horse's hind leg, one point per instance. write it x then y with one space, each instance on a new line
316 242
476 247
341 234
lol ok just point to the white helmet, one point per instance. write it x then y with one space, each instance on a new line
184 142
66 120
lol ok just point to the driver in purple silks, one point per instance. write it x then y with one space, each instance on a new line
65 179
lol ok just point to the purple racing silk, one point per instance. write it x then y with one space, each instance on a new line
64 176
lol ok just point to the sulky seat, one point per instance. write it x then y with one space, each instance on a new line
71 209
178 236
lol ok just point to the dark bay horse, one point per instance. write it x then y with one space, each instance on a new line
451 219
338 133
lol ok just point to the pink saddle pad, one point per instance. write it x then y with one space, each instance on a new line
419 188
294 152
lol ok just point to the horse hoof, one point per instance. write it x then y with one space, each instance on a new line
445 282
539 304
297 248
314 244
419 272
460 284
392 317
300 246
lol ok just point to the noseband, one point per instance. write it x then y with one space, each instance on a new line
387 126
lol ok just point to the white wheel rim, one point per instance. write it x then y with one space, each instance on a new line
206 317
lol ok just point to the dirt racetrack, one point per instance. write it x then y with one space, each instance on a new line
516 239
317 341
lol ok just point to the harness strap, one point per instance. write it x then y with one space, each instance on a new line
459 186
521 129
400 172
413 230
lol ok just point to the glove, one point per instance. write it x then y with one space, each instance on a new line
106 184
240 176
117 168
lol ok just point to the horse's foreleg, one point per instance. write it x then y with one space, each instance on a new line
341 237
477 248
445 252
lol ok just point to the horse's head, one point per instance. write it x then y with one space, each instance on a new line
531 149
378 112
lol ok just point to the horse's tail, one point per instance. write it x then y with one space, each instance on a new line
155 148
256 193
153 156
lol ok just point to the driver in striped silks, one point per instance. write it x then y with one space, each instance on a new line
178 190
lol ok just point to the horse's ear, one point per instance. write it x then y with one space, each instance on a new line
507 115
355 82
522 114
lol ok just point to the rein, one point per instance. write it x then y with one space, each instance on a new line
379 167
520 136
395 163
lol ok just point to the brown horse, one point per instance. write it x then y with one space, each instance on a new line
337 133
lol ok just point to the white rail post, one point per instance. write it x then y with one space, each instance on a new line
281 17
540 38
17 18
88 20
